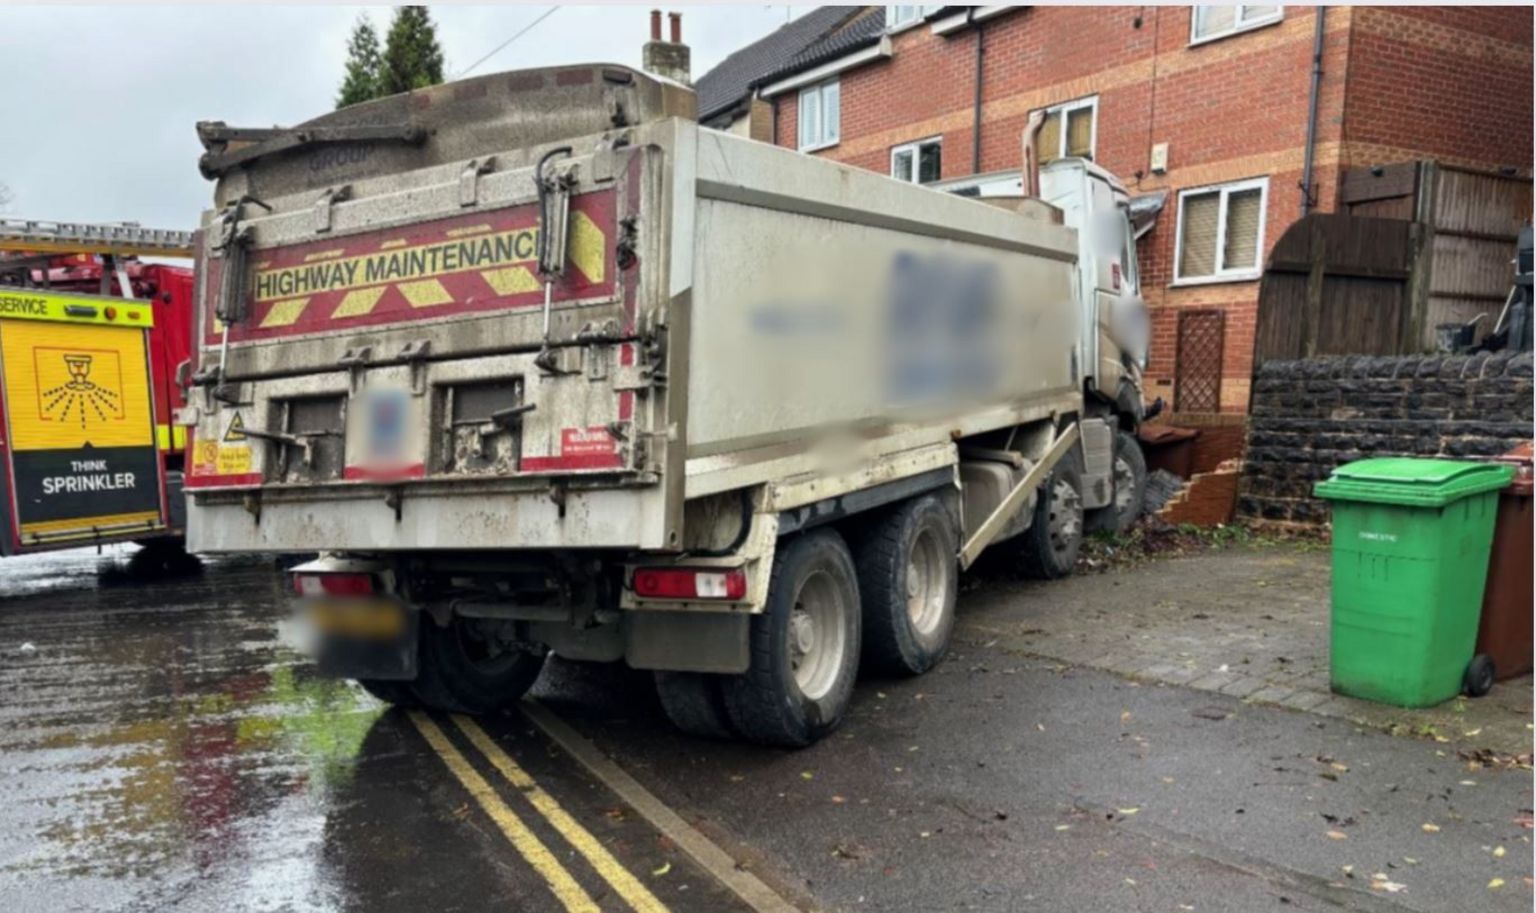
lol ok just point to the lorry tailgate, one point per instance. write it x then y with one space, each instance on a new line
80 462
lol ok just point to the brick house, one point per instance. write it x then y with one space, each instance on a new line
1209 108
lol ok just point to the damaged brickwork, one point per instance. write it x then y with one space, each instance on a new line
1312 415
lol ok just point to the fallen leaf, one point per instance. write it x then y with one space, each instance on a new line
1337 835
1468 783
1431 828
1063 827
838 800
1410 860
1127 812
1495 884
1125 716
925 834
1348 869
1341 768
1498 852
1222 668
1040 726
1473 732
1167 779
663 869
1379 882
1130 881
806 775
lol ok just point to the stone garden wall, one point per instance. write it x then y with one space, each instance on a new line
1311 415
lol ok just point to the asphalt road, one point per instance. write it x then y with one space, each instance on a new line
162 748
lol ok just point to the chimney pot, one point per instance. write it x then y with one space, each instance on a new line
677 27
655 25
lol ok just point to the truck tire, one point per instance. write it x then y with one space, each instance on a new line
1128 474
908 580
804 646
694 704
462 669
1051 543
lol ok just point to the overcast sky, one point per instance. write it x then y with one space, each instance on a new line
97 115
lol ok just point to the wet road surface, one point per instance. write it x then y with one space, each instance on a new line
162 748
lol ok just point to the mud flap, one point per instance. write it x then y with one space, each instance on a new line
343 654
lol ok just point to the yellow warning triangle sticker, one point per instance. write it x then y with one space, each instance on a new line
236 431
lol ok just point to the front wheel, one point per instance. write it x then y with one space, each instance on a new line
1129 478
473 667
805 646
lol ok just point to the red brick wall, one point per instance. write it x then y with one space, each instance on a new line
1437 82
1230 109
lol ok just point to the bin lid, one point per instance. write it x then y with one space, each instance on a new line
1414 482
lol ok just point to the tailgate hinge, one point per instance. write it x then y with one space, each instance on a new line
469 179
327 201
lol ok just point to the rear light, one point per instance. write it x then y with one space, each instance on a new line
690 583
333 584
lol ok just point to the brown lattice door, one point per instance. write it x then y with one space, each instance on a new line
1197 377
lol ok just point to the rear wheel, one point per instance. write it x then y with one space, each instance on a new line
694 703
471 666
908 580
1051 543
1128 475
805 646
1478 680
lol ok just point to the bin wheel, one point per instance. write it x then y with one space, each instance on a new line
1479 678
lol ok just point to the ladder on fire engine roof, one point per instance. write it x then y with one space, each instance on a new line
26 244
123 239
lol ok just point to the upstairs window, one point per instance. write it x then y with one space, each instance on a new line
917 163
899 17
1208 23
819 115
1221 232
1069 129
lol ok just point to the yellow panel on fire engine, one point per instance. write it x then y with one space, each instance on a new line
70 386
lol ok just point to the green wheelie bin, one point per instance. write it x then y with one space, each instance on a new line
1410 554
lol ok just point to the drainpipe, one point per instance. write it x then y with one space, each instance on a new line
981 34
1308 193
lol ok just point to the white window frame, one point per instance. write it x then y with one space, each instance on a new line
915 147
1091 103
1238 25
1245 274
919 13
822 140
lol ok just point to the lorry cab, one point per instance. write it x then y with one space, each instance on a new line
1114 329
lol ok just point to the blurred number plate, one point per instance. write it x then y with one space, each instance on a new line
368 619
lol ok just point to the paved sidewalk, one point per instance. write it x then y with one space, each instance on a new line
1247 621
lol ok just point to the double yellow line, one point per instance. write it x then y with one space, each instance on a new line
565 888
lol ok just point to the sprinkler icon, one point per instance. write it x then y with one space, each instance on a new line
78 393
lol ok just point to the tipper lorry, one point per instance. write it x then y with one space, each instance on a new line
535 364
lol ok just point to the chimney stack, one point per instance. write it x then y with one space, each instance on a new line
667 59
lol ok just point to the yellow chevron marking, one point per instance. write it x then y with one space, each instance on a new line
587 247
324 255
358 303
284 313
468 230
393 243
425 294
510 281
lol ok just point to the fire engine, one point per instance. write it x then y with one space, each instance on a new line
91 337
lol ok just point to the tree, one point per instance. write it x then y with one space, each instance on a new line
363 64
5 196
412 57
